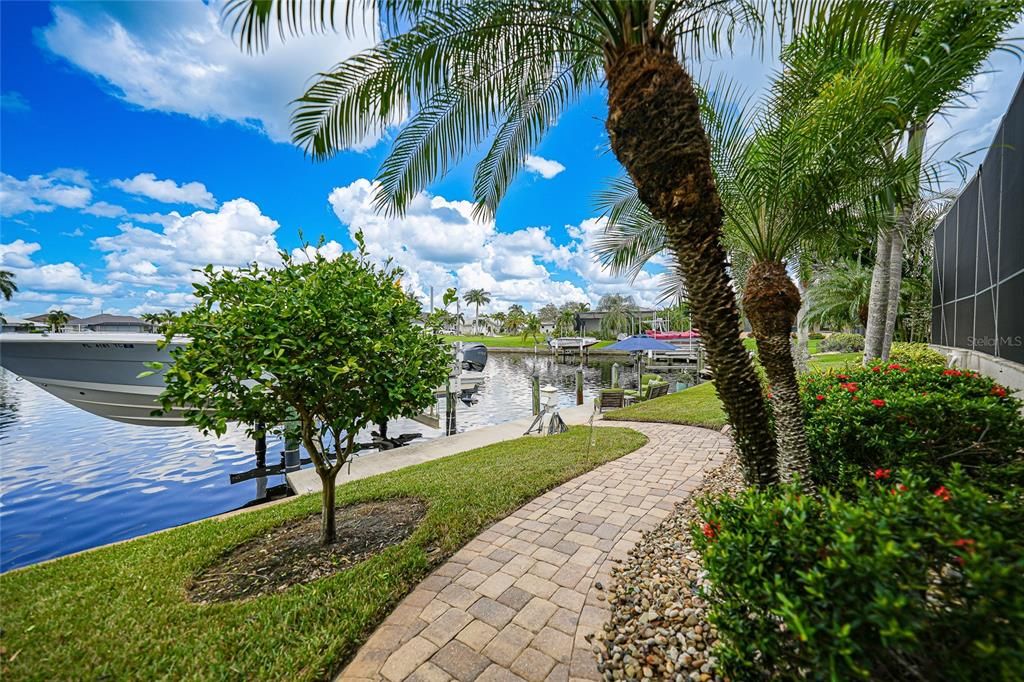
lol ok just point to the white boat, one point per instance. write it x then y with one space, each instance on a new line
99 372
570 342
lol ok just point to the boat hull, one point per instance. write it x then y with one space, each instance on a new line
98 373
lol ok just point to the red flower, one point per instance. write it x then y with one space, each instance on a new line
710 530
820 397
876 368
851 386
842 377
943 493
878 402
999 391
898 489
895 365
882 473
769 394
966 544
953 373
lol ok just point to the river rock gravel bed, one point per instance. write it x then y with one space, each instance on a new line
658 628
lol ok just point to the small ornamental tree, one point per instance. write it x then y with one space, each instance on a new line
336 342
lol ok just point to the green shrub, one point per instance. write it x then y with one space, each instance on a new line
842 343
924 418
902 582
816 336
917 354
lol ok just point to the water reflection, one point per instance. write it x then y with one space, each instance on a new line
70 480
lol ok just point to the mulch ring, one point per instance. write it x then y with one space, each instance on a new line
291 554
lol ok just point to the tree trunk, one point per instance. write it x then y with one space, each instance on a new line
892 303
878 299
328 523
803 353
771 302
655 131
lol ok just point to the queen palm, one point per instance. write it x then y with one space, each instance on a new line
477 297
7 285
501 71
56 319
947 50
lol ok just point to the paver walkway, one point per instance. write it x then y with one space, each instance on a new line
518 601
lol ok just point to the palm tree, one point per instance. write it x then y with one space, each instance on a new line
464 70
565 322
839 296
794 175
7 285
515 319
478 297
618 313
952 44
531 327
499 320
57 319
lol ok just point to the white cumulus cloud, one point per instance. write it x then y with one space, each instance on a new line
167 191
179 58
63 187
546 168
236 234
66 277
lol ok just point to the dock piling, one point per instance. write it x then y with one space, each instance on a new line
579 386
536 394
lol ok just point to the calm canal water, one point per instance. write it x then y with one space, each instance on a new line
70 480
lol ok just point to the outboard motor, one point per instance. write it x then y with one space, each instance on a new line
474 357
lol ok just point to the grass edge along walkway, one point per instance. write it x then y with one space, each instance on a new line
120 611
699 406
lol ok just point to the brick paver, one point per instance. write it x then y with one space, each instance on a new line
518 601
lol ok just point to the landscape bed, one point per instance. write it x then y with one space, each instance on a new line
122 611
905 565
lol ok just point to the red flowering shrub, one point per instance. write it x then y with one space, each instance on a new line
867 586
923 418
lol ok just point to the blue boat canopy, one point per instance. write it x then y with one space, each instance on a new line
639 344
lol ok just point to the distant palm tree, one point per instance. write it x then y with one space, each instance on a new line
617 311
839 297
515 319
478 297
566 322
498 321
531 327
7 285
57 319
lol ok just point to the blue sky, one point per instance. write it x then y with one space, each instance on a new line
137 142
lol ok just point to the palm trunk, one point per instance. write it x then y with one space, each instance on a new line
915 149
892 302
771 302
878 299
655 131
803 353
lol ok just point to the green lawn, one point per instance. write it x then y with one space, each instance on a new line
512 341
699 406
120 612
